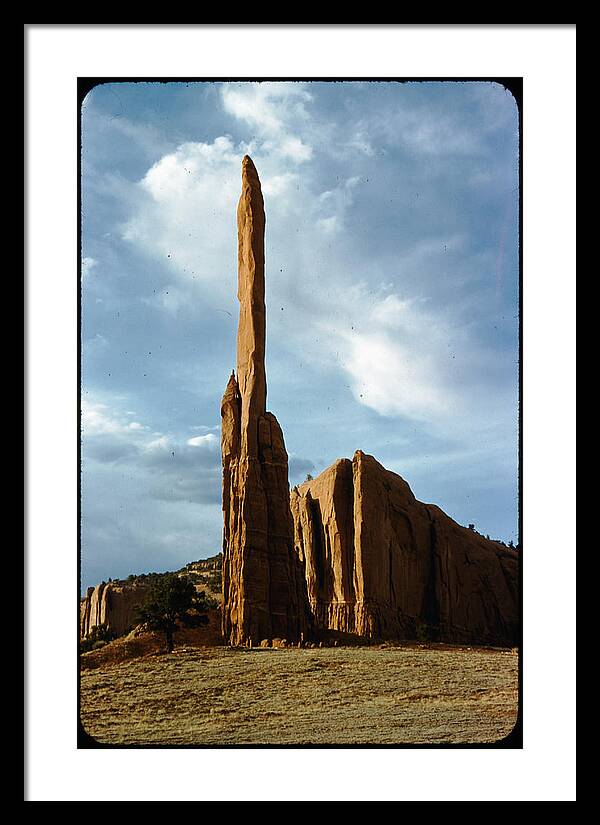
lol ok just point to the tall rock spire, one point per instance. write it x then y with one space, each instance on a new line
264 590
251 295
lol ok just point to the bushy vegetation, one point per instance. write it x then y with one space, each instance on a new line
98 636
171 603
200 571
423 632
215 580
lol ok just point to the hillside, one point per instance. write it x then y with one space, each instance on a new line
113 603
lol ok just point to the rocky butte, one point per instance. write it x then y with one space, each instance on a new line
380 564
352 551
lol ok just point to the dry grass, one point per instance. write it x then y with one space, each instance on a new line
364 695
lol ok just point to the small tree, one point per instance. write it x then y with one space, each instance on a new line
308 477
171 602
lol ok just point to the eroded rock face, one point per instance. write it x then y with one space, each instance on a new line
264 592
110 604
380 564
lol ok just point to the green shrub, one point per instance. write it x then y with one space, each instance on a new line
423 631
98 636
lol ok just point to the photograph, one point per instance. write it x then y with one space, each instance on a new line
299 396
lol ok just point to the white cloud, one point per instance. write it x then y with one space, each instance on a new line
267 105
394 356
87 264
135 425
292 147
162 444
182 215
97 419
277 185
209 441
106 420
276 111
394 379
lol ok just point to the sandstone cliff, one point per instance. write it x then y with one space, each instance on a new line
111 604
380 564
264 594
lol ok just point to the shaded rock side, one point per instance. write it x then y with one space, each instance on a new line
110 604
264 590
381 564
324 541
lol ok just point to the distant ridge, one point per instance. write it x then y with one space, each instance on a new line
114 603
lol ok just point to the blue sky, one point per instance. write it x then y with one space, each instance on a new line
392 298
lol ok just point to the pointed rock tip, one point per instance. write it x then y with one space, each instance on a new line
232 386
249 169
248 163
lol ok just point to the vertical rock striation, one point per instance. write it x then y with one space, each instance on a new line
380 564
264 591
111 604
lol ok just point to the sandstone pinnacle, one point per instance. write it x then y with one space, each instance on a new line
251 295
264 592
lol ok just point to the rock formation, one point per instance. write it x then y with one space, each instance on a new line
352 551
111 604
114 603
380 564
264 593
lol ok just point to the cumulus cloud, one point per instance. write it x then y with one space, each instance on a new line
274 111
180 209
99 419
393 367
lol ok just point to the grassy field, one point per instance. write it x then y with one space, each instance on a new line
349 695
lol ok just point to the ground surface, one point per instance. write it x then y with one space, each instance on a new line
365 695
